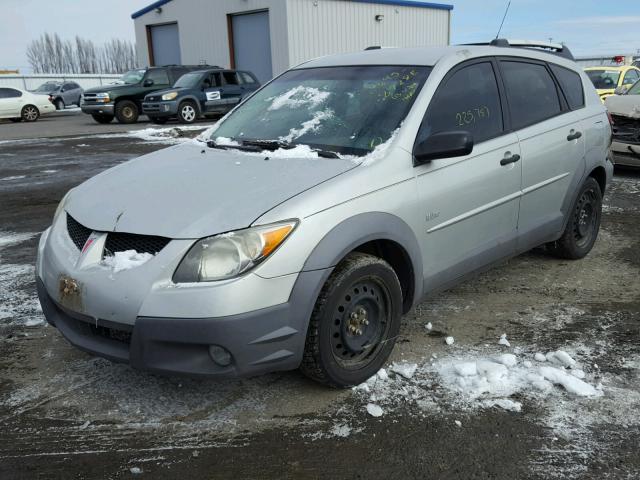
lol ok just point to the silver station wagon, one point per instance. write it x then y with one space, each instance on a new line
327 205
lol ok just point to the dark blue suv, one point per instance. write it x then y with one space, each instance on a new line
210 92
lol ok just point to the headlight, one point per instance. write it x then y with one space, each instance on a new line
231 254
102 97
169 96
61 206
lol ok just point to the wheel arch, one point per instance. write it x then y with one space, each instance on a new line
600 176
380 234
192 99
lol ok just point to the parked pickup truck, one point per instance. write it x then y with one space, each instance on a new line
200 93
123 99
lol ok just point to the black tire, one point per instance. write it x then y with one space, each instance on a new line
583 225
16 120
338 329
187 112
127 111
102 118
159 120
59 103
30 113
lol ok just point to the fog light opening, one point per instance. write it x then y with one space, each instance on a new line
220 355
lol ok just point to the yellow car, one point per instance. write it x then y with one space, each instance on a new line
608 79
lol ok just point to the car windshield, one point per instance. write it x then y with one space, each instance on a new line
348 110
604 79
635 89
47 87
189 80
132 77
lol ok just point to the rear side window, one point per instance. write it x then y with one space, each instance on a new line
571 84
159 76
230 78
531 91
469 101
10 93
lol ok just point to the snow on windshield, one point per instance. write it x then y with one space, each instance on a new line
308 126
300 96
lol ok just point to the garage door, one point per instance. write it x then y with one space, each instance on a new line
165 44
252 44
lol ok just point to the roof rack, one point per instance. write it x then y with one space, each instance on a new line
553 48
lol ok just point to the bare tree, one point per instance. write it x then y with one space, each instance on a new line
52 54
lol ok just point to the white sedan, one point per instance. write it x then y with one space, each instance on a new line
18 105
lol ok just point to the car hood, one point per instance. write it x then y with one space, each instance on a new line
111 88
627 105
193 191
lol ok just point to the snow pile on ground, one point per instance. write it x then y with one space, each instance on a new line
482 381
10 238
126 260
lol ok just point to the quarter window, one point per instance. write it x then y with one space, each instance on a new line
571 84
10 93
468 100
246 78
230 78
531 92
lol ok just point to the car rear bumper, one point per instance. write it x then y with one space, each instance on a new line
98 109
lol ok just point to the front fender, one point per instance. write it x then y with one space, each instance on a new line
360 229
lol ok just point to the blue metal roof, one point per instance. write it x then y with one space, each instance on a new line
401 3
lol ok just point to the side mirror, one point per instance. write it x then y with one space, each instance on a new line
148 83
443 145
621 90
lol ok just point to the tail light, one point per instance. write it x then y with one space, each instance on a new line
50 98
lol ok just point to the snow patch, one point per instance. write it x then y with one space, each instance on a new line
503 340
300 96
374 410
308 126
406 370
126 260
449 340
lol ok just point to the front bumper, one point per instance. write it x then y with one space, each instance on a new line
137 317
625 153
97 109
160 109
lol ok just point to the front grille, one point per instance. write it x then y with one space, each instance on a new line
79 233
109 333
120 242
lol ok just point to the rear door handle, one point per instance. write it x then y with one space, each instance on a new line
573 135
512 159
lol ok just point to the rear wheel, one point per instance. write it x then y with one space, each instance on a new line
102 118
30 113
59 103
187 112
354 323
127 111
582 228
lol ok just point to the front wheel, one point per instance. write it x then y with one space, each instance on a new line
30 113
354 323
582 228
187 112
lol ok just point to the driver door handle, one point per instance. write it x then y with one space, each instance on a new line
512 159
574 135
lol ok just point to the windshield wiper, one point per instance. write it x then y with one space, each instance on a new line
326 153
269 144
248 148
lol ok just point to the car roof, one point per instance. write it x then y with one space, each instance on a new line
429 56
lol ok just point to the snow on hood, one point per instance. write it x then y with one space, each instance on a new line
191 191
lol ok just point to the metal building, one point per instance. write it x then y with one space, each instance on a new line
269 36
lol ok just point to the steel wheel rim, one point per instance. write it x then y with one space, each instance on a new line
30 113
127 112
188 113
361 320
586 218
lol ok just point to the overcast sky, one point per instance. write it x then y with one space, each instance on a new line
587 26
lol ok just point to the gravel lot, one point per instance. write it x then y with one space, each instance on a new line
65 414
